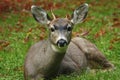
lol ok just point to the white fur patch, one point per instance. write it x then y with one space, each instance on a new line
59 49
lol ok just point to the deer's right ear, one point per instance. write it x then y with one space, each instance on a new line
40 15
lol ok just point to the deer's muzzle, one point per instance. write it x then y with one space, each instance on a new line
61 43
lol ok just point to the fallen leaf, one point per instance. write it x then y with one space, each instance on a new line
75 34
116 25
111 47
3 44
115 40
18 68
100 33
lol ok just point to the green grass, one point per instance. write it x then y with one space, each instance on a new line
15 29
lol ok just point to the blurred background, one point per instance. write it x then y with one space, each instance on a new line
18 31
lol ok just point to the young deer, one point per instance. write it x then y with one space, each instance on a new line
60 54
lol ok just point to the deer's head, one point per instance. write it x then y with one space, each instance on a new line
60 28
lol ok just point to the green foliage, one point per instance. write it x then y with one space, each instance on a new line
18 31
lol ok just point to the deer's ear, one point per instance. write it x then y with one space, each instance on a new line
40 15
79 14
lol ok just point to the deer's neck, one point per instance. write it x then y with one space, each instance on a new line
55 56
55 51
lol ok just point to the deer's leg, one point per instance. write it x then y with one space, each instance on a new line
94 56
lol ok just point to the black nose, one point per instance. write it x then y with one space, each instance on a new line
62 43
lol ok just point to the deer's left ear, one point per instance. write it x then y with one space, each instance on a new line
79 14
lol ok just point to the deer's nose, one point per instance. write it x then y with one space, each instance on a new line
62 43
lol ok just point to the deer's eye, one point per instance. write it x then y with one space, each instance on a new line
69 28
52 29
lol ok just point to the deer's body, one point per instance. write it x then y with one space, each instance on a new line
42 60
60 54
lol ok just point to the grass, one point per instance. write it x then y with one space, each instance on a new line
21 31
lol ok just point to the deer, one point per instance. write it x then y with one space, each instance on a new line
60 53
